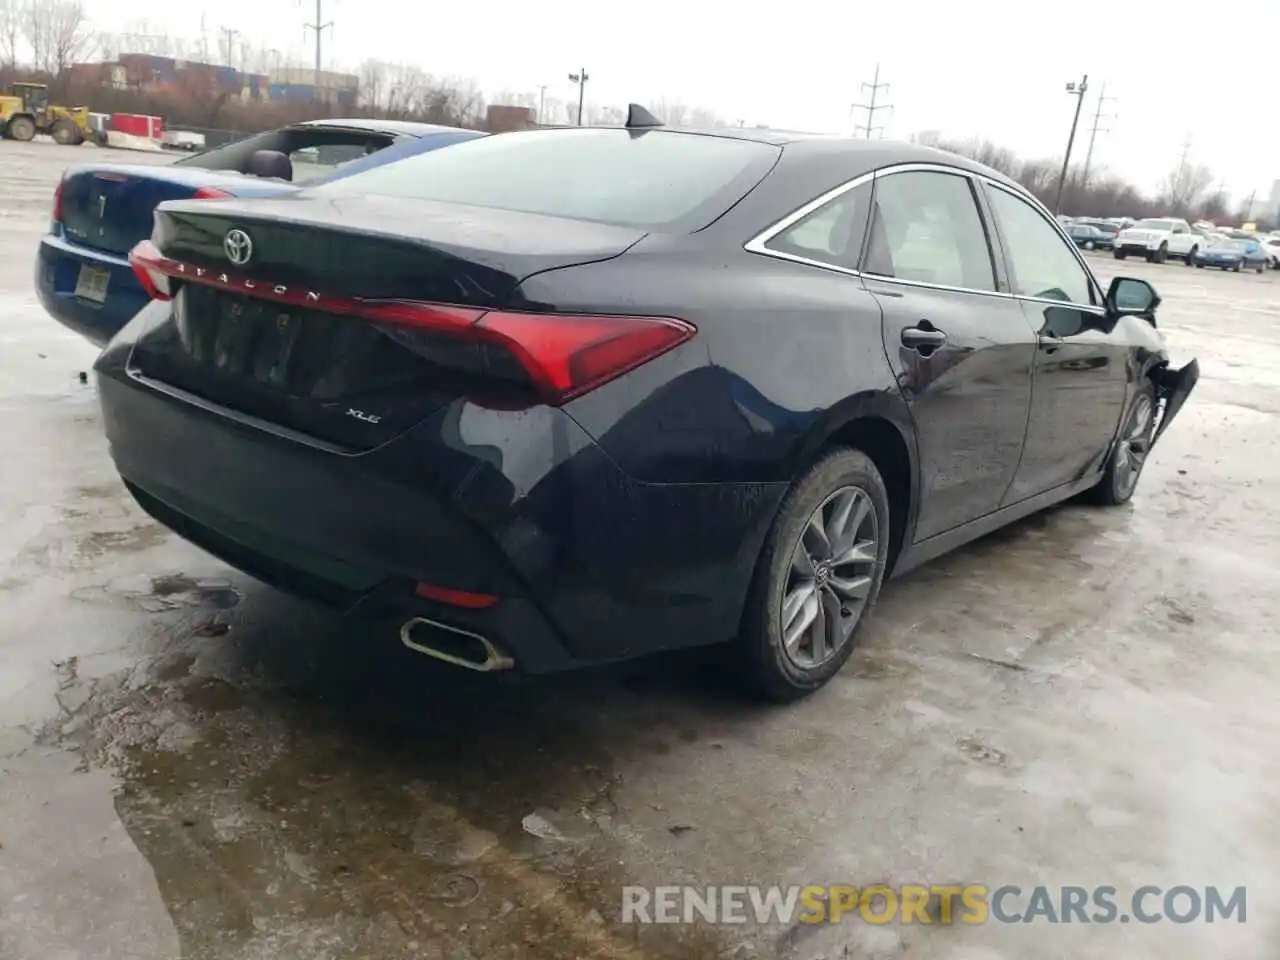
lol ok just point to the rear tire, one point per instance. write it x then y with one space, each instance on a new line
1129 454
66 133
1120 254
808 587
22 129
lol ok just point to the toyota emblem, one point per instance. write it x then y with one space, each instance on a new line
238 247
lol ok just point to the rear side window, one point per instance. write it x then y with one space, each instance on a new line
655 180
831 234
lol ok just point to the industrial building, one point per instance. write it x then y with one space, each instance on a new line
188 78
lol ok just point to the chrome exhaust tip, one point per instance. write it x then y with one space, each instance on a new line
453 645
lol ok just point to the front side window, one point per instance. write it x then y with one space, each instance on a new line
1042 263
832 233
925 227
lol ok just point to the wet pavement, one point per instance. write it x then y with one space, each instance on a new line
193 765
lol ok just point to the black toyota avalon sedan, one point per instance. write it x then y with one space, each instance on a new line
560 397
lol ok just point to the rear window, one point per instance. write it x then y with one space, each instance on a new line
655 180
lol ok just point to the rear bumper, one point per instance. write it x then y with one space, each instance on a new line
589 565
57 270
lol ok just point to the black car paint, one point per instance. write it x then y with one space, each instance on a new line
630 520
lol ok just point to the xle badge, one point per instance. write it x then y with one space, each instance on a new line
361 415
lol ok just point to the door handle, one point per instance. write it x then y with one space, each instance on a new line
1049 343
923 337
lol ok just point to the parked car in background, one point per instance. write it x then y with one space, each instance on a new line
1106 226
1229 253
1272 247
1158 239
528 397
1089 237
101 210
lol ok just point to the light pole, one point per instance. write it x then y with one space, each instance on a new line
1077 90
580 78
542 100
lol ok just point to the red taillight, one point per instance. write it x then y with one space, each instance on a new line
149 265
211 193
57 200
567 355
563 355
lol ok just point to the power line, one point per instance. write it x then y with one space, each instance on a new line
875 86
1098 117
319 26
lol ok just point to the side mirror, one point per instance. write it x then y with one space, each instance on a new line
1127 296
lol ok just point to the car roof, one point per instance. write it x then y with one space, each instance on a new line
399 128
855 155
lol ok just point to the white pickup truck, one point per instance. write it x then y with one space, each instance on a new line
1157 240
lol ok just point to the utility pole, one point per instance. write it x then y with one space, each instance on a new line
1076 90
875 86
1098 117
319 26
229 44
1248 207
1182 157
580 78
542 100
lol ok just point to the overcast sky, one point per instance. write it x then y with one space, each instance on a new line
994 68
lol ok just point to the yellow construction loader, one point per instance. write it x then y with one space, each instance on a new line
26 111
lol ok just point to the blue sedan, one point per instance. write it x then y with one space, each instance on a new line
1233 254
100 211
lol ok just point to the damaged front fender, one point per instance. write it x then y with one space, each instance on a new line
1172 389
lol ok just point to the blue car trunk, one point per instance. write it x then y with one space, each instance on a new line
111 210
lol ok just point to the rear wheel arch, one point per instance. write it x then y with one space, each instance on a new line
880 426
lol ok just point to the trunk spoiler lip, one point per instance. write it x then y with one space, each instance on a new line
1173 387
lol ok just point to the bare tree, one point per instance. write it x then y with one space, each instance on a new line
35 27
671 112
703 118
57 32
11 31
1185 185
70 39
373 84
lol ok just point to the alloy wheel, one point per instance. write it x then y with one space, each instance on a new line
1134 445
830 577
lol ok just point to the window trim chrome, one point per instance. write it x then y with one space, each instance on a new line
758 243
1026 197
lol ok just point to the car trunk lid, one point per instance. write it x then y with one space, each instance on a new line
352 320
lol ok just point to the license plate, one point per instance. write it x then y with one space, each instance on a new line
92 284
